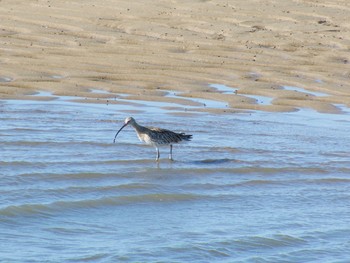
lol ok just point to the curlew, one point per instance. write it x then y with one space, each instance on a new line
155 136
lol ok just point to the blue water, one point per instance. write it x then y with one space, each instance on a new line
250 187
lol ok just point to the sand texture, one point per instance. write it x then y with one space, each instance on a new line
145 49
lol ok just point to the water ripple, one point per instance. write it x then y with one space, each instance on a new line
253 187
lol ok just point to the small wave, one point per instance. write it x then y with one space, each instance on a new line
259 182
26 210
92 258
206 251
15 163
332 180
57 177
336 154
24 129
210 251
275 241
124 200
25 143
250 183
214 161
56 143
280 170
76 190
58 206
136 161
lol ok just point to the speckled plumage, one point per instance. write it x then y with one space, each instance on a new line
156 136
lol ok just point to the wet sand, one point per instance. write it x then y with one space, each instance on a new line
147 49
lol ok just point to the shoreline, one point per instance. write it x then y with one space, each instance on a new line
147 51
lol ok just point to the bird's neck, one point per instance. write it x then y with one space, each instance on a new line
138 127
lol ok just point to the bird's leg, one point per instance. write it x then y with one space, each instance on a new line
171 152
157 158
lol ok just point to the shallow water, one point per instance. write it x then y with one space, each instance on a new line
257 187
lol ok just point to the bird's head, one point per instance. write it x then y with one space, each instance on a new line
129 120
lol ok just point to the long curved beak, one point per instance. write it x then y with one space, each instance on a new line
119 131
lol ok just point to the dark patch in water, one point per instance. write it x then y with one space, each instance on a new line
214 161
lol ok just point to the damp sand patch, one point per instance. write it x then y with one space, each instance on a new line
308 92
217 99
240 99
170 103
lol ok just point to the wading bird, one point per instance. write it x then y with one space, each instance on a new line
156 136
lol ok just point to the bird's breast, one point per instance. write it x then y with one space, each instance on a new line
144 138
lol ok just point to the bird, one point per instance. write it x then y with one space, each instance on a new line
155 136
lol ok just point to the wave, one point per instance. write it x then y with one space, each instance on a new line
215 161
92 258
26 210
211 250
50 209
275 241
56 143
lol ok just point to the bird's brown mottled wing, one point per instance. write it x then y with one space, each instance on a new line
164 136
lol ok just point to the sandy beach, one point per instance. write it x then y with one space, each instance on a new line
145 49
261 85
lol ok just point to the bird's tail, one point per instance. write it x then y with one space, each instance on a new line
186 137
